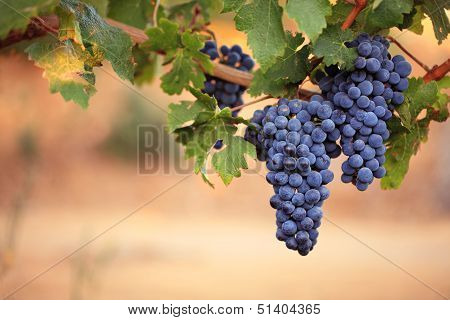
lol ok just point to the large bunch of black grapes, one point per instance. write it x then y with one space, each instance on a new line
227 94
298 139
294 135
367 97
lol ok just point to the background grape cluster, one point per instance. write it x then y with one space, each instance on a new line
227 94
298 139
367 96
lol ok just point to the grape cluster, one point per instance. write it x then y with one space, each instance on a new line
294 135
254 134
364 100
227 94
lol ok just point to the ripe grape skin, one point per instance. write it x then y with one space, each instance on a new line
403 68
275 201
346 178
364 49
289 227
354 93
287 207
295 180
373 65
327 176
355 161
281 178
375 141
365 87
365 175
314 179
298 199
281 122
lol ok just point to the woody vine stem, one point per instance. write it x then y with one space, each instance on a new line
50 24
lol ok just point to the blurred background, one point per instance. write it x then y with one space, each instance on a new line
67 175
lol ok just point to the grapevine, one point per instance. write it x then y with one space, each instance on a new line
365 106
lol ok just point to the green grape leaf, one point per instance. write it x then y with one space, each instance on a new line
309 15
436 11
16 14
418 97
194 14
64 65
339 12
408 132
113 43
261 20
188 67
189 64
146 66
101 6
439 109
229 161
232 5
132 12
416 22
163 38
186 113
283 77
383 15
401 147
331 46
413 20
199 125
276 88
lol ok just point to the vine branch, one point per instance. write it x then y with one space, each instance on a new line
437 72
359 6
409 54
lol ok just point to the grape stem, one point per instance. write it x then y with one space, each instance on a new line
302 94
197 12
155 13
359 6
242 106
437 72
409 54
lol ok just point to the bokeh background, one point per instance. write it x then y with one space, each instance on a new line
67 175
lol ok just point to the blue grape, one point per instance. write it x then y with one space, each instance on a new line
294 124
354 93
295 180
364 49
312 196
355 161
269 129
382 75
287 207
281 122
394 78
371 119
365 175
289 227
365 88
375 140
373 65
327 176
403 68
